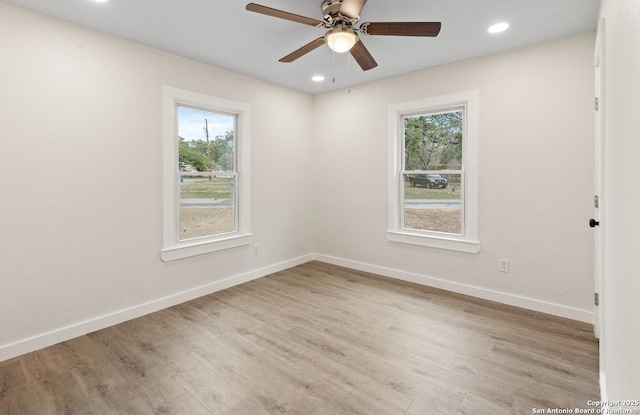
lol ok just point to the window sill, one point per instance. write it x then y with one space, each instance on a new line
451 244
186 249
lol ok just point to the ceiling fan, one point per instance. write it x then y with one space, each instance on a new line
340 16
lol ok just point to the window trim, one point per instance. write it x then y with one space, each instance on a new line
467 242
172 247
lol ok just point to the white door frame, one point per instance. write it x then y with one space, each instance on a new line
599 181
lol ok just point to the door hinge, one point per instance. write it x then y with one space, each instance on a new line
596 299
596 201
597 105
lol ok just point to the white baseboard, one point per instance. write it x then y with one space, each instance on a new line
43 340
510 299
603 387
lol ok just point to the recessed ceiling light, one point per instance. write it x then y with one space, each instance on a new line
498 27
100 1
317 78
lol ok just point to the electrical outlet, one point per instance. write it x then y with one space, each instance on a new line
256 249
504 265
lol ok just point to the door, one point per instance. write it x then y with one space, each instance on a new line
599 200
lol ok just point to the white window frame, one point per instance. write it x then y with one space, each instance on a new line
468 241
172 247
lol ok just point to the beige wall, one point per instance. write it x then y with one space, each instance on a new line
80 177
620 360
536 177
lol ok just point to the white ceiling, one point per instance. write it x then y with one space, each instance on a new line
222 33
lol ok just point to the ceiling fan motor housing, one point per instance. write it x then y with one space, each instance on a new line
332 16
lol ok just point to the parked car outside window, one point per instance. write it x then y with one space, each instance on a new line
428 180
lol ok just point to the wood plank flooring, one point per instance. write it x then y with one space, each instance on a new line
314 340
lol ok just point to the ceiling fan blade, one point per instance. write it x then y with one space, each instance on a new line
352 8
361 54
430 29
303 50
252 7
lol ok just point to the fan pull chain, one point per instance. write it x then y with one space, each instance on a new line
333 68
348 73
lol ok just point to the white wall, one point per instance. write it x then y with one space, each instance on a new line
620 359
536 177
80 179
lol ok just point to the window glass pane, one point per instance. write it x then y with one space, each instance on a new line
433 141
207 206
206 142
433 202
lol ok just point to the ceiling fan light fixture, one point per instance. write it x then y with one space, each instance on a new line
341 39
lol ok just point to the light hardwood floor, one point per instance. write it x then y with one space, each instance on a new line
315 339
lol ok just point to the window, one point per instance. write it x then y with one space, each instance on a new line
205 173
433 148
